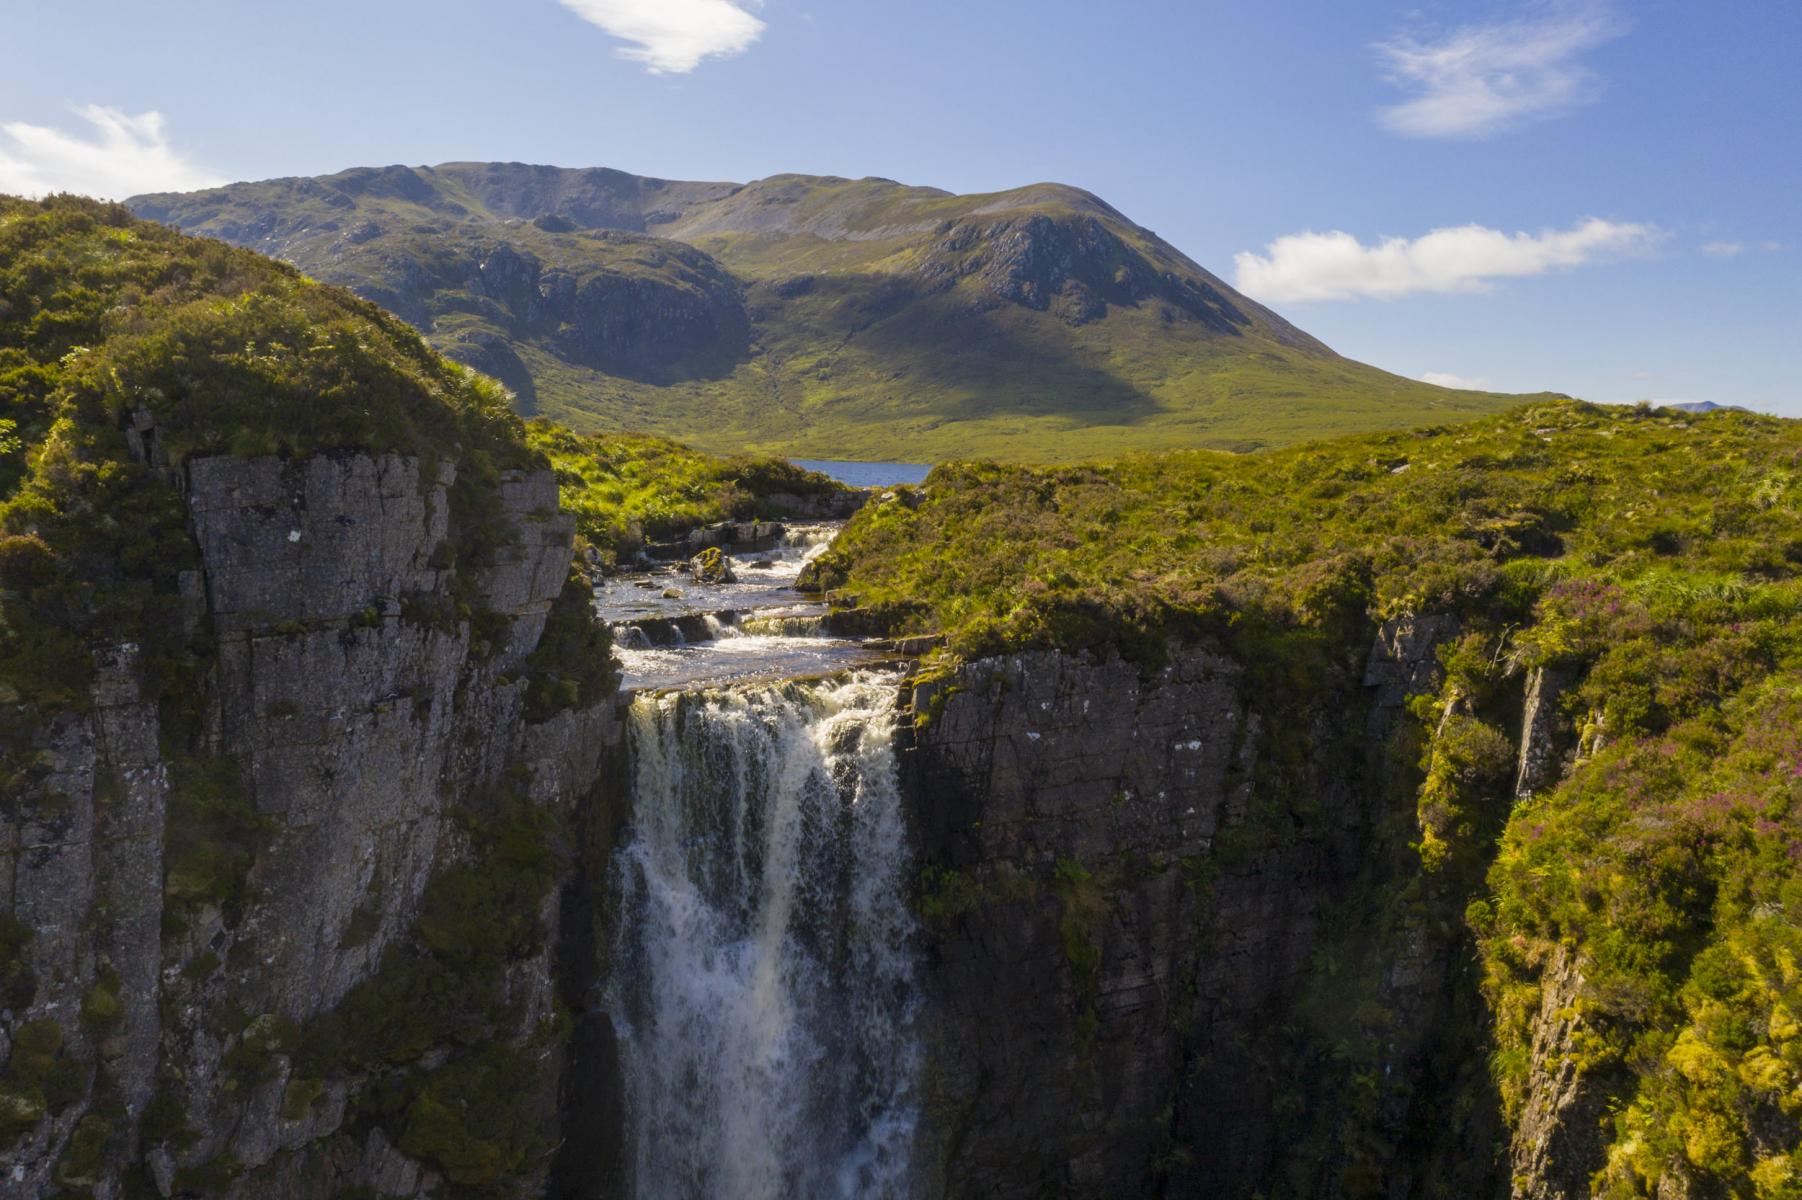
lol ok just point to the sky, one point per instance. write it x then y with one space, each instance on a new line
1597 197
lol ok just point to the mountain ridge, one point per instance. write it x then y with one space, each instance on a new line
818 315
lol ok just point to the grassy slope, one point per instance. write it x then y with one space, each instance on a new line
889 352
626 489
1655 556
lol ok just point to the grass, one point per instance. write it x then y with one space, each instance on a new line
629 489
822 317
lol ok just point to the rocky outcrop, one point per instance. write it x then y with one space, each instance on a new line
1177 938
202 878
1545 733
1403 662
1075 266
622 303
1562 1136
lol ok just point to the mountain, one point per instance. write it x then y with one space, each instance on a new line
817 315
1702 406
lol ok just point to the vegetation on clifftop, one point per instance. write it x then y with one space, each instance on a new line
1653 559
1488 515
628 489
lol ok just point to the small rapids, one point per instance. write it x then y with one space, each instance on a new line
670 632
765 973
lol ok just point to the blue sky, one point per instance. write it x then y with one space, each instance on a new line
1616 186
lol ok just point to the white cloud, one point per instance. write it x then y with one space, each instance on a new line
1336 266
673 36
1480 80
123 156
1446 379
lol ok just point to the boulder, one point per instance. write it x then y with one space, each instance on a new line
711 566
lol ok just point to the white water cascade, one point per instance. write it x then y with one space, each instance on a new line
765 973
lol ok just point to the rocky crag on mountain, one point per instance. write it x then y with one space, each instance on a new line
817 315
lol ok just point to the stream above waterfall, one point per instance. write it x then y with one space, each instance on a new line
670 631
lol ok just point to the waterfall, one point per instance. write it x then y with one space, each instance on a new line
812 625
718 629
765 974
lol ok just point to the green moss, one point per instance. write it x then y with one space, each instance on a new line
254 1059
572 666
40 1077
18 983
475 1118
365 920
165 1117
946 896
201 966
442 991
101 1008
431 610
298 1098
20 1112
1084 908
84 1158
208 1178
214 833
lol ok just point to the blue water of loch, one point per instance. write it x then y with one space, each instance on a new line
866 474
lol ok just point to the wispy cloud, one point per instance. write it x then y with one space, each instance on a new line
1735 249
673 37
1446 379
122 156
1479 80
1469 258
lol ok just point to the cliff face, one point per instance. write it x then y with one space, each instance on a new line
203 884
1177 941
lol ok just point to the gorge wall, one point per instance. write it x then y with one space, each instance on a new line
1176 936
1179 941
200 887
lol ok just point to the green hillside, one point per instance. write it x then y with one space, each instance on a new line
818 316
